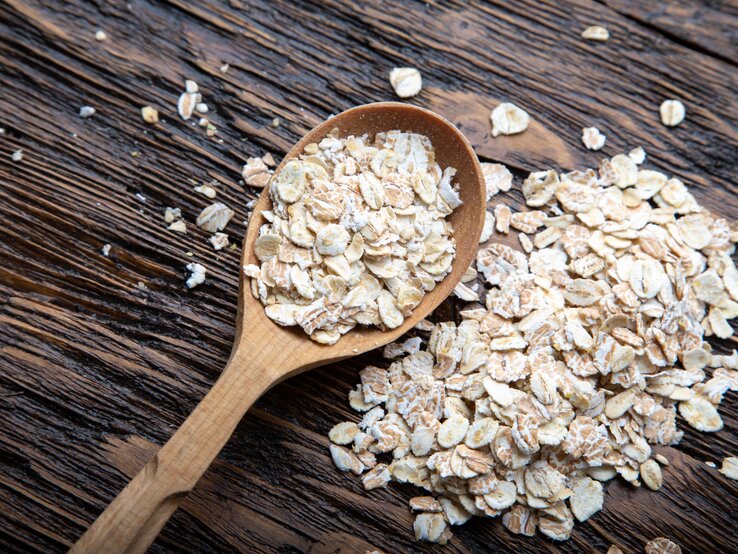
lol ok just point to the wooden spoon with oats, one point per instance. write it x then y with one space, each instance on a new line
265 353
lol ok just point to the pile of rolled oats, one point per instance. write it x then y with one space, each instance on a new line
357 234
587 346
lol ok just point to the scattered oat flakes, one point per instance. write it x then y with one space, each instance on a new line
425 504
502 216
100 35
377 477
730 467
186 105
17 155
179 226
662 545
215 217
345 460
256 172
596 32
587 498
170 214
651 474
86 111
525 242
431 527
406 81
711 464
219 241
343 433
465 293
275 122
672 112
197 275
638 155
614 549
592 138
106 250
206 190
188 100
150 115
489 227
508 119
701 414
497 177
268 159
574 362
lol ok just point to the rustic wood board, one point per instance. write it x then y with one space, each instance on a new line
96 370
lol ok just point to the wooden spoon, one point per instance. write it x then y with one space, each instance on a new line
264 353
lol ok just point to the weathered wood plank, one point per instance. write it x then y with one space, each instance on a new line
711 28
95 369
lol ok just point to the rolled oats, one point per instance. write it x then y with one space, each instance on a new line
425 504
502 215
357 233
197 275
662 545
587 498
214 217
149 115
489 228
178 226
651 475
345 460
343 433
497 178
508 119
571 363
592 138
701 414
730 467
431 527
377 477
596 32
672 112
256 172
406 81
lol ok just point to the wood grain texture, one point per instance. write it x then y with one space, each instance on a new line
265 354
96 369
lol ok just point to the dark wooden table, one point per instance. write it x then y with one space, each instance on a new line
101 358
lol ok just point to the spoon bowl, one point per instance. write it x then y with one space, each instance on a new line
452 150
265 353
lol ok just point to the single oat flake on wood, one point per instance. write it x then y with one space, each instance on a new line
568 366
672 112
508 119
596 32
406 81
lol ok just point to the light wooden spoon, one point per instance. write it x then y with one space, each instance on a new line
264 353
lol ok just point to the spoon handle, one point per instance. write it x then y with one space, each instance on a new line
135 517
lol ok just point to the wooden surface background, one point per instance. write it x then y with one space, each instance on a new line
101 358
